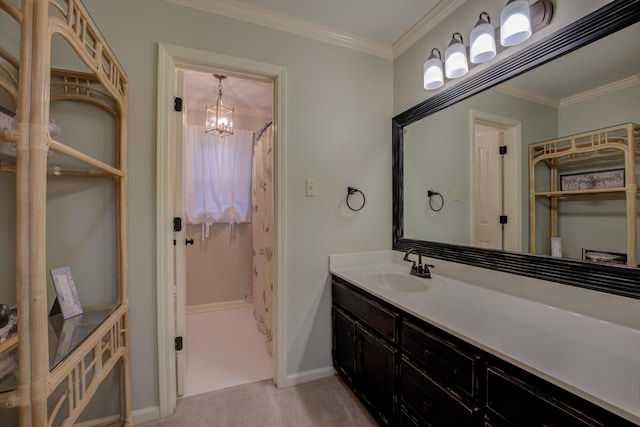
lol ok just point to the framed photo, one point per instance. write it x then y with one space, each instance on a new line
611 178
66 292
604 257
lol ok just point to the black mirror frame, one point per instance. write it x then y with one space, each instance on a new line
617 280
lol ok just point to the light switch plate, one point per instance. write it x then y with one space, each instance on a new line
311 187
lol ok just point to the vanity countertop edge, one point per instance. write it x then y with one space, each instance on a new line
595 359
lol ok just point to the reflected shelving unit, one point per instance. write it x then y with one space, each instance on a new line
618 145
53 58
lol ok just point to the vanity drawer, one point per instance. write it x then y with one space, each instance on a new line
521 405
375 316
436 405
441 358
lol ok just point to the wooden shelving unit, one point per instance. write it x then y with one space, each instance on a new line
49 388
620 143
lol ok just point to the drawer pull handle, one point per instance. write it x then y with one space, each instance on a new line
428 354
426 405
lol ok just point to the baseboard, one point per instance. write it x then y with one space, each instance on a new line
203 308
307 376
139 416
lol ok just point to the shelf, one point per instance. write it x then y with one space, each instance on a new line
72 78
64 337
579 192
616 145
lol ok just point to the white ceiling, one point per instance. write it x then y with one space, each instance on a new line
248 97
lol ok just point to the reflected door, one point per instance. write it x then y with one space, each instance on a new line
488 188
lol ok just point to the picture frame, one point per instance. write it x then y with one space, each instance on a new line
604 257
9 330
67 300
608 178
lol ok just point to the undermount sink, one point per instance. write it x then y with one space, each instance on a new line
398 282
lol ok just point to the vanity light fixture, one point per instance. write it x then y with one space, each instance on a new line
515 23
455 58
482 40
218 117
518 21
432 70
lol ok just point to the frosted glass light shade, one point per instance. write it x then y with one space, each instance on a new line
515 23
432 71
482 41
455 58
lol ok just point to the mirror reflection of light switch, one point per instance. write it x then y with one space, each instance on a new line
456 193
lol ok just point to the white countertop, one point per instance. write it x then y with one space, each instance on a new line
592 358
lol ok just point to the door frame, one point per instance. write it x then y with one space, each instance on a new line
169 58
513 174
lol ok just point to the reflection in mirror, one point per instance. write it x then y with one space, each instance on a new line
456 152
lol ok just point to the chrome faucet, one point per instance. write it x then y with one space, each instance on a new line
420 270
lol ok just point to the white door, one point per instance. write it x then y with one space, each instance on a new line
179 260
488 187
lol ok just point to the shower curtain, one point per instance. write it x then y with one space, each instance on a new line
262 224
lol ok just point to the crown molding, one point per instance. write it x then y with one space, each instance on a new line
602 90
527 95
426 24
509 89
278 21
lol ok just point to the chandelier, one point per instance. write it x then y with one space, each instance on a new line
219 118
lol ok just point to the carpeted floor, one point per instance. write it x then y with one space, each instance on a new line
326 402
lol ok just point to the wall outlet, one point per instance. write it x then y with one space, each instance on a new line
311 187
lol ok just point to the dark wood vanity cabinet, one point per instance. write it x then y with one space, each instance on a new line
366 353
410 373
439 379
518 398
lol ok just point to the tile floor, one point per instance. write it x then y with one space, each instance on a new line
224 349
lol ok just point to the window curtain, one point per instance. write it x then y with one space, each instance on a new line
262 225
217 177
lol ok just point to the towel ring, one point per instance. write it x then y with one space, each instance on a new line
431 195
351 191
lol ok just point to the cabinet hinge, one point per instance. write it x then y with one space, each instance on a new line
177 224
503 219
177 104
178 343
503 149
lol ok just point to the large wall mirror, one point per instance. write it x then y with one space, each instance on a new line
582 78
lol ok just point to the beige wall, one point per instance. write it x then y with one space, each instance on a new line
218 268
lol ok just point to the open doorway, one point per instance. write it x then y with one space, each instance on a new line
170 291
227 332
496 182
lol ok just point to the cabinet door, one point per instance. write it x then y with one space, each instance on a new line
344 345
377 367
442 359
524 406
434 403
